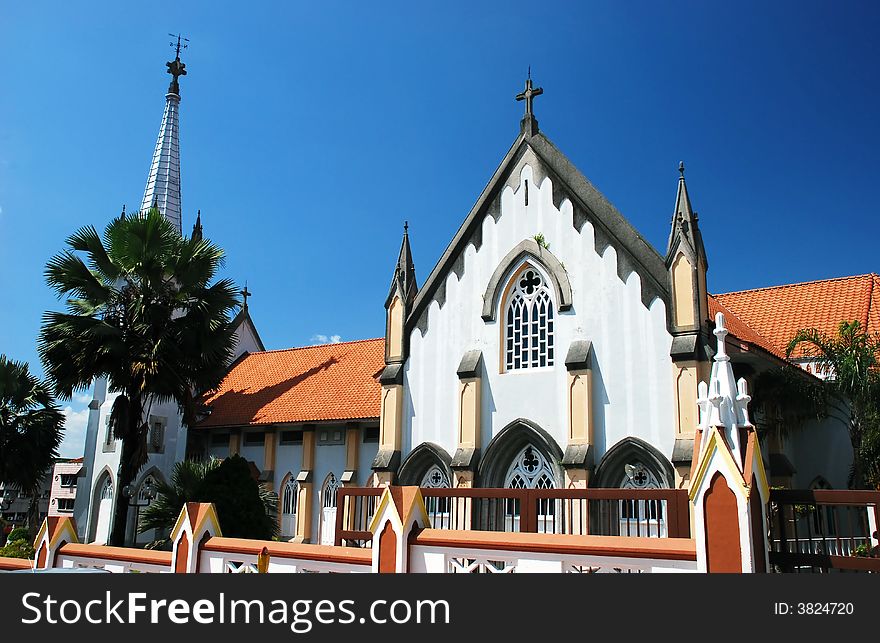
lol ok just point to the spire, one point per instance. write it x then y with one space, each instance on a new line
684 221
163 182
405 271
197 228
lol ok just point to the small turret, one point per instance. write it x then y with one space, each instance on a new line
399 302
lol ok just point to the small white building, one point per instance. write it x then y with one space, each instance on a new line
62 495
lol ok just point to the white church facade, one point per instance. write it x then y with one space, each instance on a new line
551 346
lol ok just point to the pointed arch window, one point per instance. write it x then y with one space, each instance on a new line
289 503
289 496
640 517
530 470
107 490
528 321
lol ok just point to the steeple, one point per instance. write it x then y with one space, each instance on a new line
197 228
685 227
404 279
399 302
163 182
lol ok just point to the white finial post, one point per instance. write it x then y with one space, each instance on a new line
742 399
721 333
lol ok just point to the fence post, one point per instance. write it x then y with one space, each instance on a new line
401 511
54 533
195 525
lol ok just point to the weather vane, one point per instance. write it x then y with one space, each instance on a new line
175 67
178 46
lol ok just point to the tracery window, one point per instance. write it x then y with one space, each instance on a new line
528 321
530 470
331 487
289 496
640 517
107 490
437 508
435 478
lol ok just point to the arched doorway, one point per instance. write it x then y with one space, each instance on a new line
522 456
289 503
328 509
103 504
632 464
428 467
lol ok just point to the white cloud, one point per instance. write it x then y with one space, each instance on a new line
82 398
327 339
75 422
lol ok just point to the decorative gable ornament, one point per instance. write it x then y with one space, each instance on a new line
729 488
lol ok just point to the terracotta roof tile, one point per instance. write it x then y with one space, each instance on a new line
309 384
739 329
777 313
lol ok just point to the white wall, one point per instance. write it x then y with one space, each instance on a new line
821 448
633 386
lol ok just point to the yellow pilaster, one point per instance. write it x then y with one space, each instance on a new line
305 479
234 442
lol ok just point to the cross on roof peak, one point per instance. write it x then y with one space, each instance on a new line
529 93
245 293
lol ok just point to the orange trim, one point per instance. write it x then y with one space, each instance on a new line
324 553
15 563
623 546
121 554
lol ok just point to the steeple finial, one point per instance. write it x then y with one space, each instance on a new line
529 123
245 293
681 168
123 210
406 227
197 228
175 67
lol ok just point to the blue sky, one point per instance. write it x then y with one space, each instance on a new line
311 131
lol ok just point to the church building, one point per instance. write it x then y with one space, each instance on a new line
551 346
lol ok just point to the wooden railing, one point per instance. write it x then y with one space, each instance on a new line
824 530
653 513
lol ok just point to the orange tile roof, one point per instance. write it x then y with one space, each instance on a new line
738 328
309 384
778 312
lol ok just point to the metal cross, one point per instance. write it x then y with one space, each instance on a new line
245 293
528 95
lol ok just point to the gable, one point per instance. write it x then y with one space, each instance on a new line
610 228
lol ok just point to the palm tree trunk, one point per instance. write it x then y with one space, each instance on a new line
127 471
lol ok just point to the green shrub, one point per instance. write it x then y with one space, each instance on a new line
236 496
21 548
19 533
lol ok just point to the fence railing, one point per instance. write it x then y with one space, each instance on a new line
652 513
824 530
469 552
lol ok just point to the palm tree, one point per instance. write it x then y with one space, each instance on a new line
141 312
30 429
232 489
849 362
